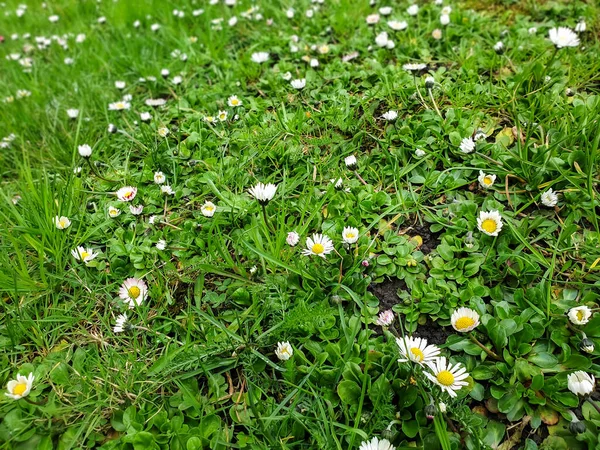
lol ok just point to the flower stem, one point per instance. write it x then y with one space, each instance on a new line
267 224
434 103
360 178
490 353
35 403
96 173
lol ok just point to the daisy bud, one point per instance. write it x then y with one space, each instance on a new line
351 162
577 427
365 263
165 73
499 47
112 128
430 411
85 150
587 345
429 82
570 92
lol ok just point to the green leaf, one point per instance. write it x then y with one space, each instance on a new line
349 392
494 433
410 428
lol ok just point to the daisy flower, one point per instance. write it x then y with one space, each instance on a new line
85 150
136 210
415 349
467 145
549 198
390 115
208 209
133 291
397 25
318 245
20 387
486 180
113 212
163 132
263 192
292 239
222 116
580 315
489 222
260 57
298 83
412 10
450 378
350 235
414 67
563 37
155 101
372 19
419 153
83 254
62 222
351 162
120 84
376 444
127 193
284 351
159 177
119 106
145 116
233 101
167 190
385 318
161 244
464 319
120 323
581 383
72 113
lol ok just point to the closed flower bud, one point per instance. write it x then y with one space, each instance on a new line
430 411
587 345
577 427
570 92
429 82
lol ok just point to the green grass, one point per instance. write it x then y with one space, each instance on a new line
196 367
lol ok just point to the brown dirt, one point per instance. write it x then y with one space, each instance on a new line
387 292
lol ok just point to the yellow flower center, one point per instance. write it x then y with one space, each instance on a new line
487 180
134 292
208 208
489 225
349 235
445 378
84 254
580 315
120 105
417 354
464 322
62 223
317 248
19 389
235 102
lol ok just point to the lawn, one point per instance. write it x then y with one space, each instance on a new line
327 224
